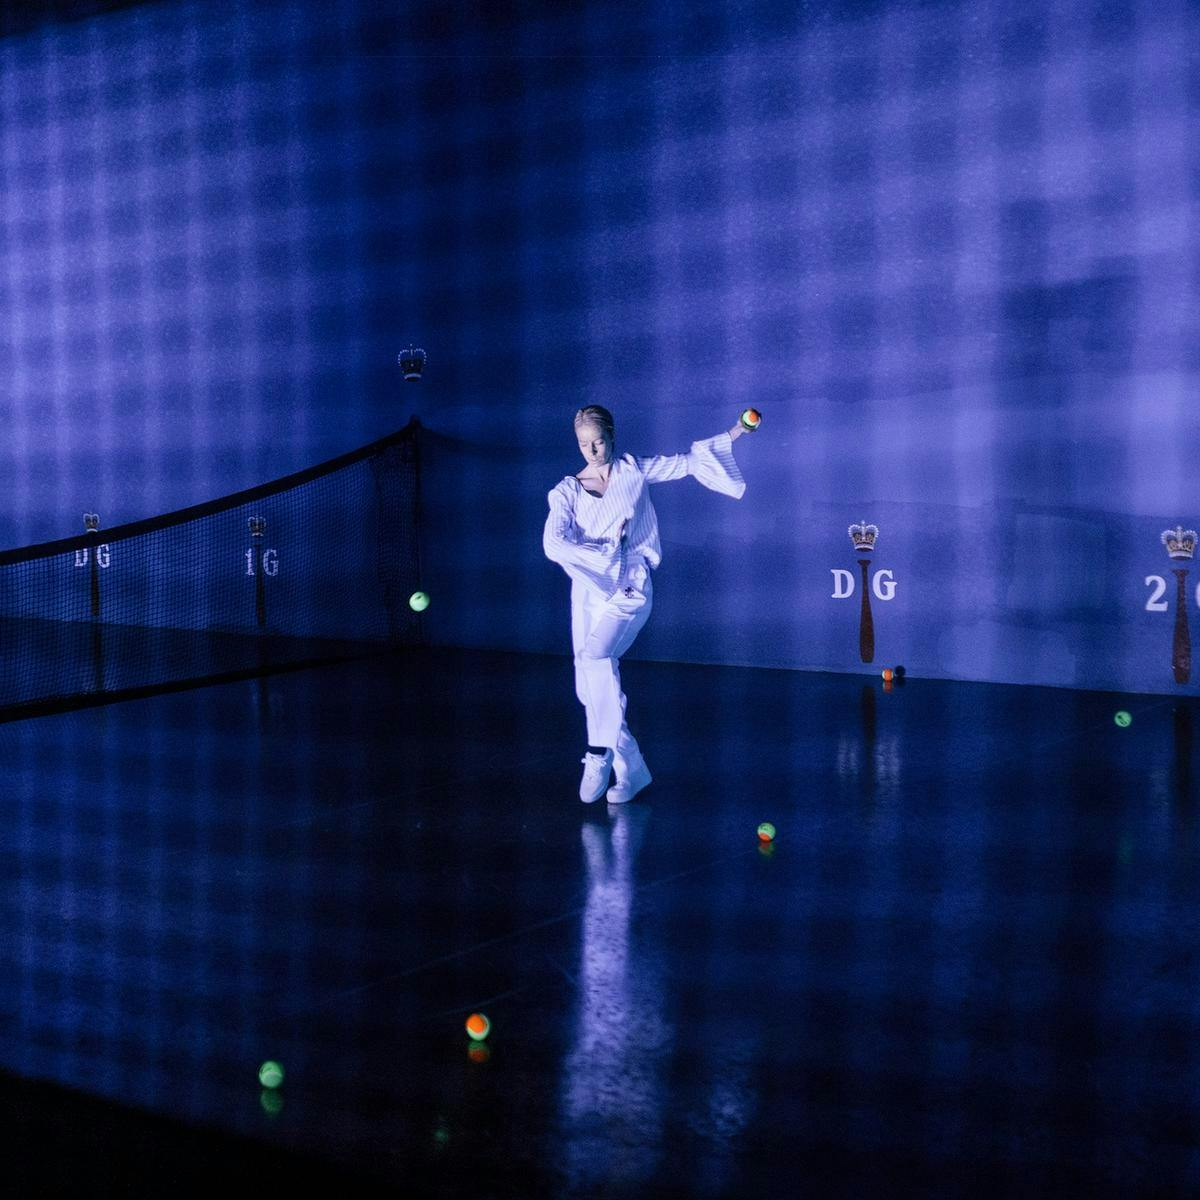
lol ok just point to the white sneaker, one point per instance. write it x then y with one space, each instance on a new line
637 776
596 771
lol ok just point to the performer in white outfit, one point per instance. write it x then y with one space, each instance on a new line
603 531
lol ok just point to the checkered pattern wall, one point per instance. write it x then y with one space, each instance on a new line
947 249
195 200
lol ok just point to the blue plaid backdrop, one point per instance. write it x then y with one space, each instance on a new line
949 250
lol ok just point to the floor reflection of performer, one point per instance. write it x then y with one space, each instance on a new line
630 1120
613 1084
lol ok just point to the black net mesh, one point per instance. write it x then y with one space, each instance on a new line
314 567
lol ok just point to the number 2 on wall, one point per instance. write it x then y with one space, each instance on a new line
1156 603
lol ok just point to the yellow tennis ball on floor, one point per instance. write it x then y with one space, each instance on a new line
478 1026
418 602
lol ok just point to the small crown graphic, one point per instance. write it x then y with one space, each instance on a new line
91 522
864 536
1180 542
412 362
257 526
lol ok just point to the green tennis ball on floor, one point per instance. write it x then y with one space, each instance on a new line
766 832
418 602
1122 718
270 1074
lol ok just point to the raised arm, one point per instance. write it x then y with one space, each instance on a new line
711 461
661 468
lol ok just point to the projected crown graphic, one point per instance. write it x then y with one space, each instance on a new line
1181 547
1180 542
412 362
863 536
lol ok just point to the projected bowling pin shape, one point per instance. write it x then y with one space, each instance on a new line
864 537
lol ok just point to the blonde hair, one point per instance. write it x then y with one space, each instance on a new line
593 414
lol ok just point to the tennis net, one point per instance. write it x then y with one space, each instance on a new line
314 567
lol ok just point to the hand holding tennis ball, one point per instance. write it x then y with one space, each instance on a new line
749 420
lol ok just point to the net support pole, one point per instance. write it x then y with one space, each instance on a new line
92 524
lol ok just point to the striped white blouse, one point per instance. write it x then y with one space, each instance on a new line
581 529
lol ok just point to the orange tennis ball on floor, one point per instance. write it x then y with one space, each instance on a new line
478 1026
887 674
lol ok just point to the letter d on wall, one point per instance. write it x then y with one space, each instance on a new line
843 583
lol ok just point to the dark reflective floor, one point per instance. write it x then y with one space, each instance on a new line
967 966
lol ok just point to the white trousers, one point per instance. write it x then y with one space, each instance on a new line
601 631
